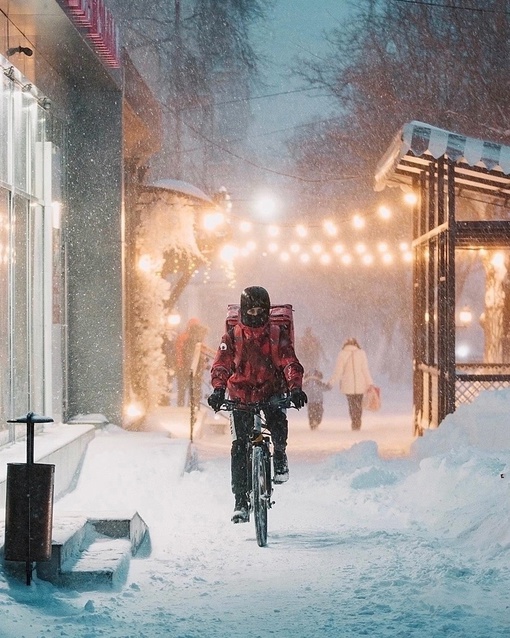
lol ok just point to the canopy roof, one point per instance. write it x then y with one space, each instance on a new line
479 165
183 188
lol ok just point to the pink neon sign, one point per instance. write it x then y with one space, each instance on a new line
102 32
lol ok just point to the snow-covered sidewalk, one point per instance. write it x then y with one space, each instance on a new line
360 542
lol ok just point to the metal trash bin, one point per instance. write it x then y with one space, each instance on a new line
29 511
29 504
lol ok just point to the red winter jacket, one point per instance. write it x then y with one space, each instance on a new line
256 377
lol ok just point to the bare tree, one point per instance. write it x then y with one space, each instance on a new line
198 57
396 61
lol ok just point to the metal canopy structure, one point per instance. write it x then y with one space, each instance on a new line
443 168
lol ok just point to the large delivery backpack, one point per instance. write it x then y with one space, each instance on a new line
279 316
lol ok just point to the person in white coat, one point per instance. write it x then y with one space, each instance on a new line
353 375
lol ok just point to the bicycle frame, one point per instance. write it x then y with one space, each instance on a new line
258 461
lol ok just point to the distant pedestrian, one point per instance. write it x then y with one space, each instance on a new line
185 344
309 350
353 374
314 386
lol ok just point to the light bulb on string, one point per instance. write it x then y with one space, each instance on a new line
384 212
301 230
358 222
330 228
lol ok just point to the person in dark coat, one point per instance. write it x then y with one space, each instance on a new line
252 375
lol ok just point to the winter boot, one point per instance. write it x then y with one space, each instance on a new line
281 467
241 514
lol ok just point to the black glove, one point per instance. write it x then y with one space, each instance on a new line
298 397
216 399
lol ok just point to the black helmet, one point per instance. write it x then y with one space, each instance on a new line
255 297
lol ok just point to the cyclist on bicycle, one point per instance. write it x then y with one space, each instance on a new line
256 377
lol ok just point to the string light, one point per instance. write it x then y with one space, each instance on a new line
358 222
330 228
384 212
317 242
301 230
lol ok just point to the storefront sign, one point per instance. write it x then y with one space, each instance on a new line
102 32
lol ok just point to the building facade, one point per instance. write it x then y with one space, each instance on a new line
71 141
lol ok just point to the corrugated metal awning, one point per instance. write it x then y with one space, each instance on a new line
480 165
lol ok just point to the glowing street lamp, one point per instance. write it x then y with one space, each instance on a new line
228 253
211 221
266 206
465 317
173 319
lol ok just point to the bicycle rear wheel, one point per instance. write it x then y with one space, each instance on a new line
260 494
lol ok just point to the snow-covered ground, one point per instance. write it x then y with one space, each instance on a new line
375 534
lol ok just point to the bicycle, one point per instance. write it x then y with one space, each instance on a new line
258 461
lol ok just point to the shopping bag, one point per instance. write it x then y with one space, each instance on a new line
372 398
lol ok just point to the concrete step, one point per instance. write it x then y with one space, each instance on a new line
90 553
103 564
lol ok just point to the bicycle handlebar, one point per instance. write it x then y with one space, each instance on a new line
283 402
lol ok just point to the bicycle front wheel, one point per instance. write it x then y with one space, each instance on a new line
260 494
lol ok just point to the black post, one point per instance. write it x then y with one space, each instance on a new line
191 404
30 419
